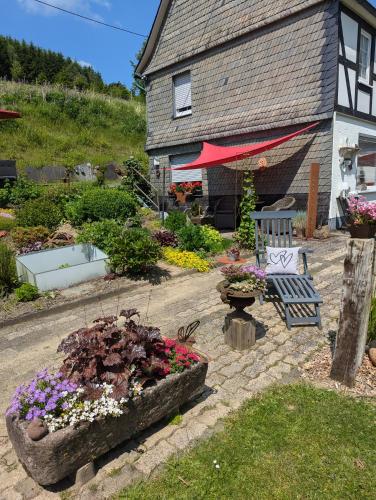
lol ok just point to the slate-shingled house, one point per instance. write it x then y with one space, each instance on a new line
235 72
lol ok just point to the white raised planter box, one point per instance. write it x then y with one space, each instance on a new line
62 267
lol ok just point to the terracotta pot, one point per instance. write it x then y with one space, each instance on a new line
181 197
363 231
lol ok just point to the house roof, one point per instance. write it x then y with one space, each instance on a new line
208 27
189 31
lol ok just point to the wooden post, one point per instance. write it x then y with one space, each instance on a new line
358 286
240 330
312 199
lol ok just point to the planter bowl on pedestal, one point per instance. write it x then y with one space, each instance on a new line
63 452
240 326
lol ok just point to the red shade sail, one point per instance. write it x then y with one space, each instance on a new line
212 155
9 114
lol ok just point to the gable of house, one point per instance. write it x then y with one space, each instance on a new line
282 74
185 28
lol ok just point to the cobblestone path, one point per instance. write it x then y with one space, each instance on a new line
233 376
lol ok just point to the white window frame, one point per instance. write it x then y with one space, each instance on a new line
187 110
368 36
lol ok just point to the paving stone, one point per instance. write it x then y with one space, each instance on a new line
10 494
235 383
260 383
159 435
210 417
230 371
279 370
233 377
295 358
267 348
255 369
273 357
118 480
157 455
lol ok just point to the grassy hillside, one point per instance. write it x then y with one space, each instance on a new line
66 127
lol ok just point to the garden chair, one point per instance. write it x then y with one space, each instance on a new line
285 203
296 292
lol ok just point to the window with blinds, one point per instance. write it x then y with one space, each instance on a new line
184 175
182 94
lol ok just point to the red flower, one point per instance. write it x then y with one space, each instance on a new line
169 343
193 357
180 359
179 349
166 370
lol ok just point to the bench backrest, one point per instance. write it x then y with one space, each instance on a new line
273 229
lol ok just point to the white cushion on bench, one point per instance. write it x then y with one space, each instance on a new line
282 260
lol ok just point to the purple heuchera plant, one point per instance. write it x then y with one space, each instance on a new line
45 393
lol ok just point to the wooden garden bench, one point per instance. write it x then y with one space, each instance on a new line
296 292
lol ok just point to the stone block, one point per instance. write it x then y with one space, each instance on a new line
61 453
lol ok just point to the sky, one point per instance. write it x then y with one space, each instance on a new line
106 50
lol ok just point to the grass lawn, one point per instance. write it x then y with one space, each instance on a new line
292 442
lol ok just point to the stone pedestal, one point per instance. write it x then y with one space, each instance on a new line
240 330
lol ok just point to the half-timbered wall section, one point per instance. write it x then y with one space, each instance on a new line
357 66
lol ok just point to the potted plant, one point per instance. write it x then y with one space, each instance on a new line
233 253
363 217
117 379
299 223
242 285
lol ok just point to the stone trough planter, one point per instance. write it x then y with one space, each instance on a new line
62 453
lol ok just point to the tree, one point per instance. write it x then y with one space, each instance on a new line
138 86
118 90
5 61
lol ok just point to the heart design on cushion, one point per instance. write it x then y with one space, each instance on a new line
281 257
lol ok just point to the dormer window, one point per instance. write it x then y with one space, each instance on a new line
364 56
182 94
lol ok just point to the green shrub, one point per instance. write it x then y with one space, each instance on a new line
7 223
213 239
200 239
245 235
372 321
39 212
18 192
8 273
100 233
175 221
100 203
62 193
191 238
26 293
23 236
134 251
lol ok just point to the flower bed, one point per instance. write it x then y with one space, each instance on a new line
114 382
187 260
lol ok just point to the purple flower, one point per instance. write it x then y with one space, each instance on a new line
46 393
